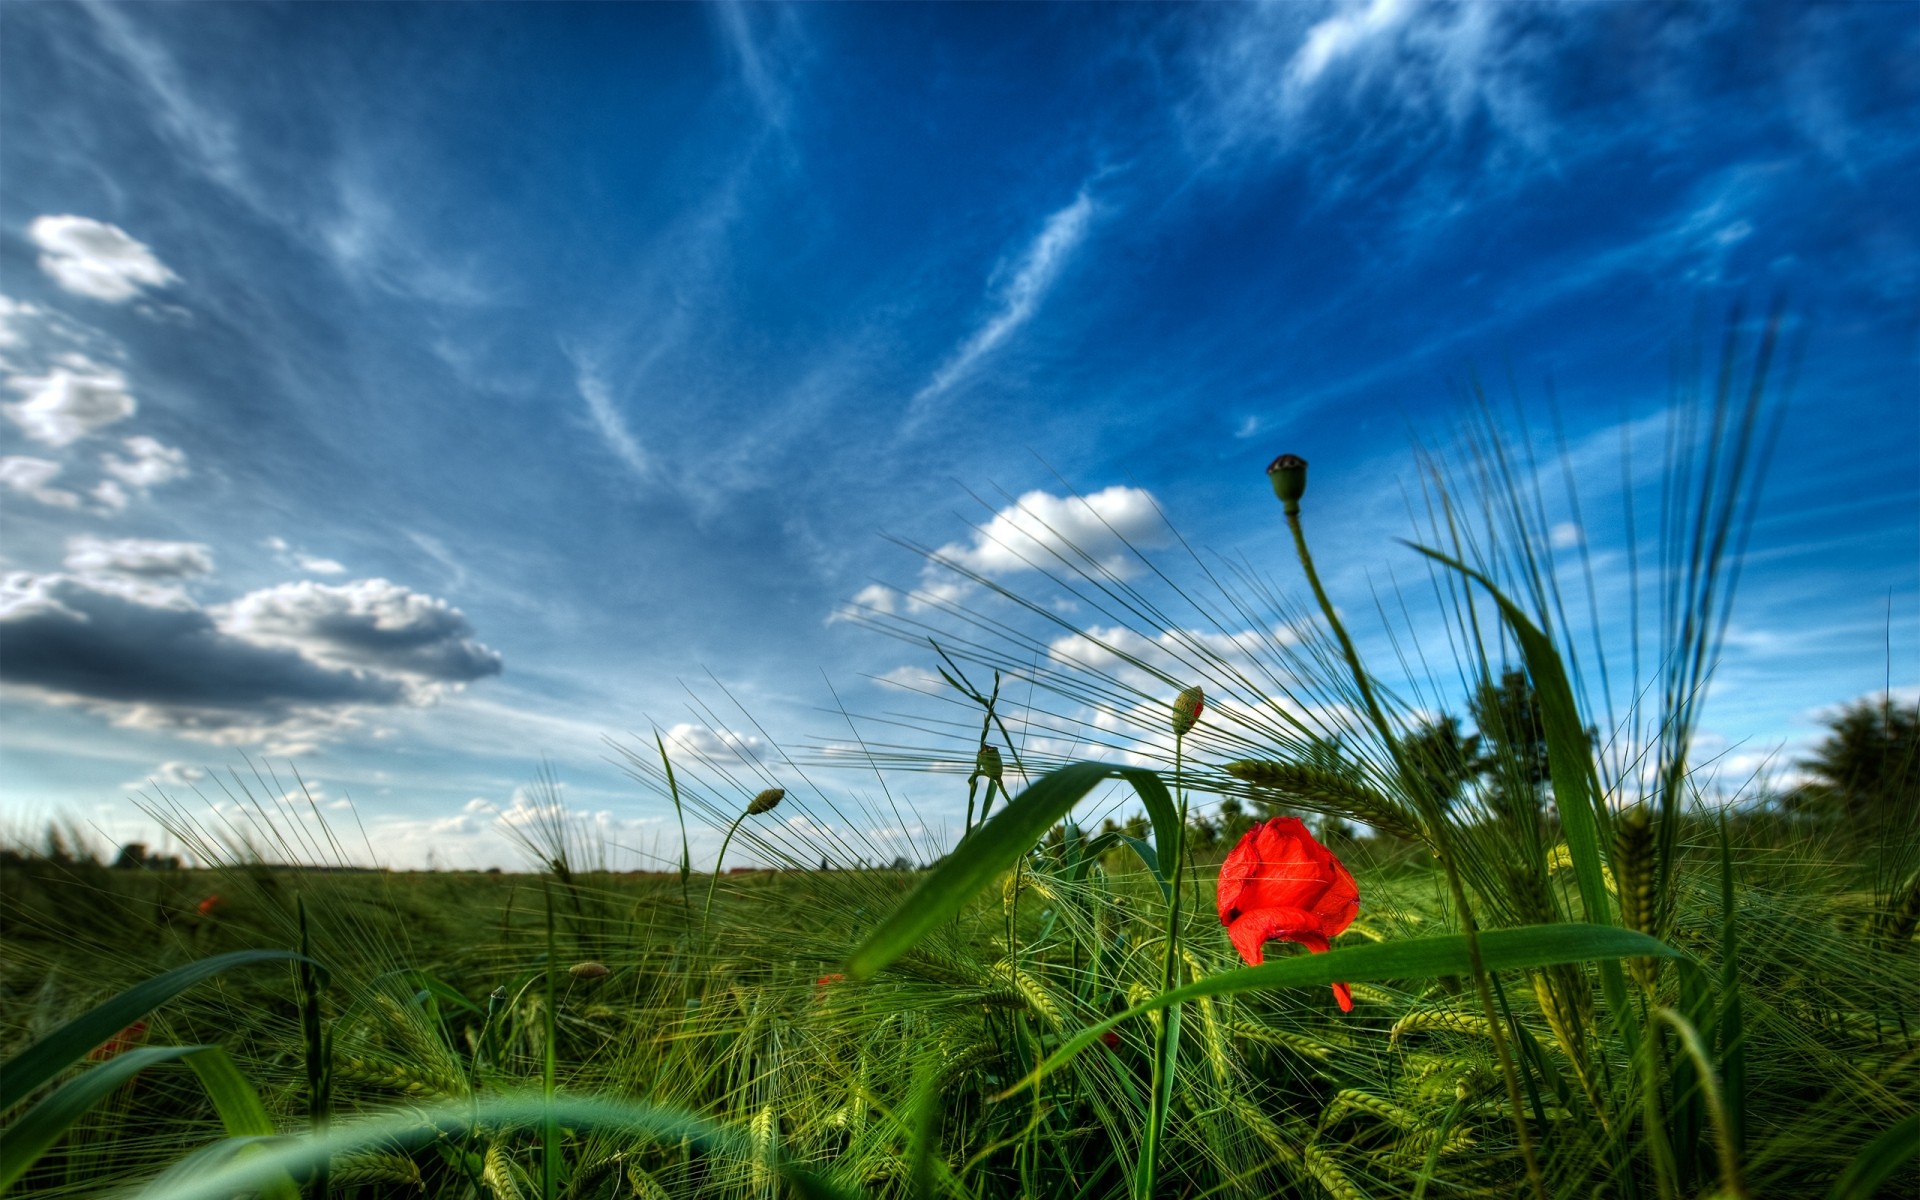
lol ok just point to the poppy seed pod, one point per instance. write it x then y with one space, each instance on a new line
1288 474
987 762
1186 710
766 801
588 970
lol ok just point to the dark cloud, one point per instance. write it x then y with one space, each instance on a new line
299 654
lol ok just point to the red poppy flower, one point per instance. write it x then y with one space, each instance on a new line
211 905
1111 1038
119 1043
1280 884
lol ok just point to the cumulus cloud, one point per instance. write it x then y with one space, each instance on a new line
369 624
721 747
288 666
142 557
149 463
1033 530
92 258
70 402
31 477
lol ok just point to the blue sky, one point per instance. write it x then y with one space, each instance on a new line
410 392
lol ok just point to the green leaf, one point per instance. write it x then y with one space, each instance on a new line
402 1130
996 845
39 1064
1877 1163
1521 949
1576 789
234 1099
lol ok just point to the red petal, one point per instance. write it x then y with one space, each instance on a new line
1344 995
1255 929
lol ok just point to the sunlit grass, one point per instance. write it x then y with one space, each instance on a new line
1572 974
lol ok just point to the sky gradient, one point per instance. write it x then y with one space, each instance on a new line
408 393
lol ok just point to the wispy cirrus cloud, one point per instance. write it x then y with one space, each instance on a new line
1037 269
610 424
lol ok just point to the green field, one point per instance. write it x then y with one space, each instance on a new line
1576 970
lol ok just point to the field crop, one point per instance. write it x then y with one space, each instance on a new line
1570 974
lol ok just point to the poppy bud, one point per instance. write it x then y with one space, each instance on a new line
1288 474
987 762
1186 710
588 970
766 801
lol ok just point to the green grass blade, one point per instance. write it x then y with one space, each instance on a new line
40 1063
1525 948
996 845
399 1130
42 1125
239 1107
1576 790
241 1112
1877 1163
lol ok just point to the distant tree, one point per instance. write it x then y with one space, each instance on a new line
1867 770
1234 821
1513 736
132 857
1444 757
1202 833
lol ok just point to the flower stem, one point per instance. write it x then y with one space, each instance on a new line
1166 1039
1414 782
718 863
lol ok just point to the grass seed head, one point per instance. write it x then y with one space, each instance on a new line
766 801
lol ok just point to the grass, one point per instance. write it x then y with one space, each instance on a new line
1573 976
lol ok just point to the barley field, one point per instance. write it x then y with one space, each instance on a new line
1265 925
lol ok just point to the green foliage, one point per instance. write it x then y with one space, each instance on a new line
1027 1017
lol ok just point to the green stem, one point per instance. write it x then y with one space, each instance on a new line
718 863
1166 1037
549 1130
319 1058
1443 846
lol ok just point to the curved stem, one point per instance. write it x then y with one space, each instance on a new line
1443 845
718 863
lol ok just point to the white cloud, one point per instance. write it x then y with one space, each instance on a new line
1031 531
92 258
29 477
366 624
1566 535
319 566
151 464
1340 36
140 557
612 426
713 747
109 496
70 402
11 311
1039 268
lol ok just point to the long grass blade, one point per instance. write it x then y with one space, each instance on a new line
1525 948
38 1065
996 845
